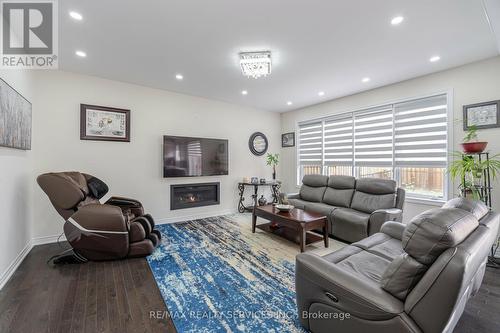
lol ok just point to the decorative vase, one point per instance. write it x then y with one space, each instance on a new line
274 173
474 147
262 201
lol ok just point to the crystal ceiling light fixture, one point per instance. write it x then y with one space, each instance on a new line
255 64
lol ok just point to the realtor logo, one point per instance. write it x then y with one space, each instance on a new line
29 34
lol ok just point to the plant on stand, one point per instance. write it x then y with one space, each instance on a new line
273 160
471 143
469 170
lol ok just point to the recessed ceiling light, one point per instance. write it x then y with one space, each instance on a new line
434 58
321 93
179 76
244 92
76 16
289 103
365 79
81 54
397 20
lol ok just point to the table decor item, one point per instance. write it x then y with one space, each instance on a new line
284 208
273 160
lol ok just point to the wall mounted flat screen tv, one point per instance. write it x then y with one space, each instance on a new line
192 157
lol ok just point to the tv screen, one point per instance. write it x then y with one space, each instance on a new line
191 157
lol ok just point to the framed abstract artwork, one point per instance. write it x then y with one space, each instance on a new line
15 118
482 115
104 123
288 139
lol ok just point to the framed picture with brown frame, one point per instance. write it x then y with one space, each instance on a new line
104 123
482 115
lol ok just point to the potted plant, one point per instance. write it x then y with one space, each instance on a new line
273 160
470 143
470 172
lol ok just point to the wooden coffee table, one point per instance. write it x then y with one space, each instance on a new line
293 225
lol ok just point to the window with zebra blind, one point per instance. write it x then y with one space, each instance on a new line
406 141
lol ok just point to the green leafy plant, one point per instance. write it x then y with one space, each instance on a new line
273 160
471 134
470 172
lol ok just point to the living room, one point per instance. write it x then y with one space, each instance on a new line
319 128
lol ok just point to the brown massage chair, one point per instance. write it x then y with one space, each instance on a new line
115 229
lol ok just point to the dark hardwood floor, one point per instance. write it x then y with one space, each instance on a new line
120 296
115 296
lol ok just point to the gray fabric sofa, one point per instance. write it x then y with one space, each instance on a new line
406 278
356 208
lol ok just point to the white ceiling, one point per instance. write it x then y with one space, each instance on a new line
317 45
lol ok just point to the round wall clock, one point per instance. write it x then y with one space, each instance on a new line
258 143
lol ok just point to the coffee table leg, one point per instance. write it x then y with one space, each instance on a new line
302 238
254 222
325 234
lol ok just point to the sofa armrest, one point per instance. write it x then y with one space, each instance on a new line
378 217
293 196
363 298
393 229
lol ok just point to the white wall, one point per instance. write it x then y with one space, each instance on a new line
135 169
16 188
473 83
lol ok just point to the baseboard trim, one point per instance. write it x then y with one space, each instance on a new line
15 264
53 239
167 220
47 239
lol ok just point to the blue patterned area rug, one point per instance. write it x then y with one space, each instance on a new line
216 276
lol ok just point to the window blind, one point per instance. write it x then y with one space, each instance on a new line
373 137
338 140
421 132
311 143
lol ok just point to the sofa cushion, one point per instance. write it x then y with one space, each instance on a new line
376 185
313 194
432 232
369 203
382 245
476 208
320 208
298 203
313 187
402 275
315 180
342 254
365 264
339 191
341 182
349 224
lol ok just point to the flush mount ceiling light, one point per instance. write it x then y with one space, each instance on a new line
397 20
255 64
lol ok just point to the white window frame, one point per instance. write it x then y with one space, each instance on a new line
410 197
